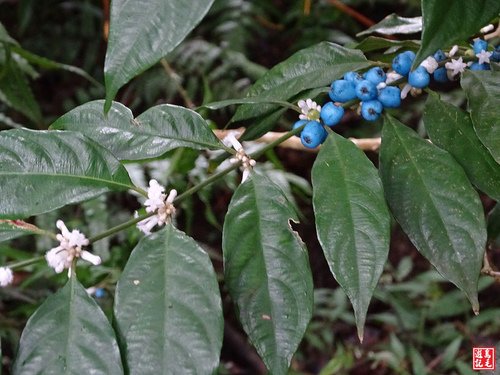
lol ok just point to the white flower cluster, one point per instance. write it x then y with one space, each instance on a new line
158 203
247 163
6 276
310 110
70 247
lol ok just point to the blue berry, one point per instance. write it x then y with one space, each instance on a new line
439 55
342 91
366 90
313 134
440 75
331 114
480 45
298 124
371 110
477 66
419 78
495 56
375 75
390 97
99 293
402 62
353 77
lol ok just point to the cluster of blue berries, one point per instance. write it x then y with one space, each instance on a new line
374 92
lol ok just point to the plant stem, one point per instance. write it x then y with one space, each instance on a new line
119 227
27 262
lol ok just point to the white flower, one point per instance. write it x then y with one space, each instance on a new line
406 89
456 66
392 76
484 57
487 29
430 64
381 85
310 109
70 247
247 163
6 276
453 50
157 203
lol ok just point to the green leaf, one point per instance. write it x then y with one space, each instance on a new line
68 334
141 33
433 201
352 220
15 92
156 131
449 22
5 37
267 271
394 24
451 129
44 170
10 229
309 68
373 43
167 307
483 91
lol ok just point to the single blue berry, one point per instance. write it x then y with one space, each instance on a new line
331 114
366 90
342 91
477 66
480 45
390 97
371 110
313 134
402 62
419 78
100 293
495 56
440 75
375 75
439 55
298 124
353 77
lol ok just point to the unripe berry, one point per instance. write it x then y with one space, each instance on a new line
419 78
390 97
402 62
353 77
440 75
371 110
375 75
313 134
331 114
366 90
298 124
480 45
342 91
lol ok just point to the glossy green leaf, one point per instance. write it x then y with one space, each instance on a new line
68 334
483 91
373 43
309 68
15 92
44 170
267 271
394 24
449 22
451 129
156 131
433 201
352 220
167 307
10 229
142 32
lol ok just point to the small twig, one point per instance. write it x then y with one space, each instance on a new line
362 19
365 144
487 270
182 91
